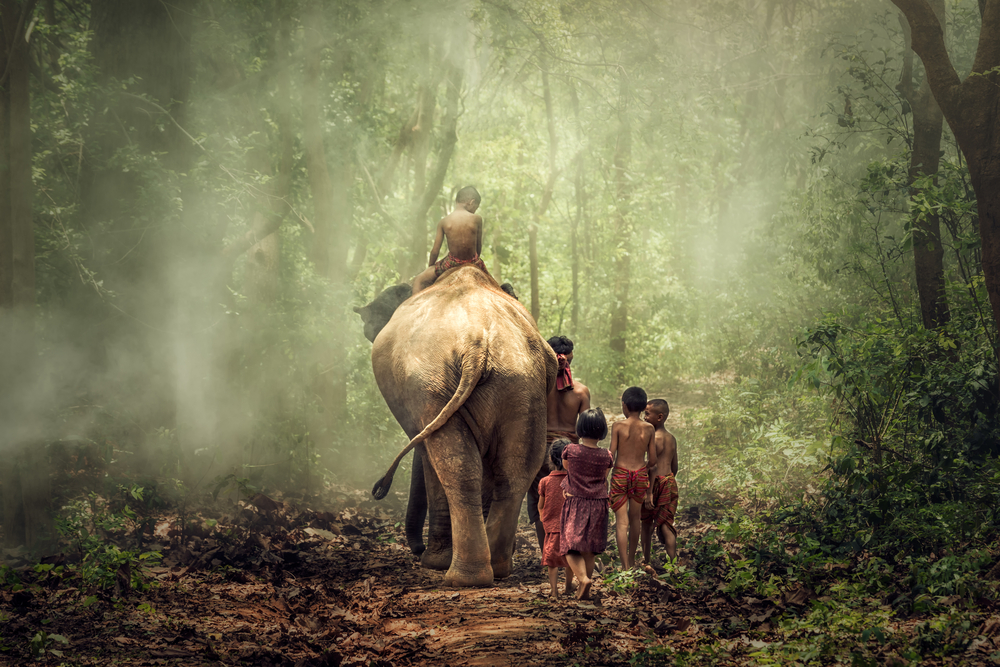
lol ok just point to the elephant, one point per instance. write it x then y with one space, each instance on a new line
464 346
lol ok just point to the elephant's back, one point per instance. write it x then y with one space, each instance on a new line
423 345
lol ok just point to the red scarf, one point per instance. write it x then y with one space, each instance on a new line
564 378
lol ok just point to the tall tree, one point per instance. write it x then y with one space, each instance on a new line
17 240
970 107
928 251
550 184
24 473
622 223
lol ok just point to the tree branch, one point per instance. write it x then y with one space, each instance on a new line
988 51
928 42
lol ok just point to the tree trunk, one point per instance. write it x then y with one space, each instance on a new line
623 229
970 107
264 256
320 184
550 186
579 198
533 269
449 137
25 475
574 244
18 143
420 146
928 251
330 222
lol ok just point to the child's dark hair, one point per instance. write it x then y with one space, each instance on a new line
634 399
557 451
660 406
561 344
509 289
468 193
592 424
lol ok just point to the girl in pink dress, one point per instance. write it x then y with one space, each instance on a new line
585 511
550 505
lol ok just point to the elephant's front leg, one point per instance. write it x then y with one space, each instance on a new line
438 553
459 468
416 508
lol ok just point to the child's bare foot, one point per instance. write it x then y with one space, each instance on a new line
554 594
570 587
584 592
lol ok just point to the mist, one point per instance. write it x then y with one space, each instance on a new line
214 190
769 213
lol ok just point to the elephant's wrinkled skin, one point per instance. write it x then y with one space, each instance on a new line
465 372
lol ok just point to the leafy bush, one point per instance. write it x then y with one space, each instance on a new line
915 466
91 527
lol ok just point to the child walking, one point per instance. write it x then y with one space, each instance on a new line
585 511
664 500
550 506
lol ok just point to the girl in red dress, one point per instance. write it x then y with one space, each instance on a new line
550 505
585 511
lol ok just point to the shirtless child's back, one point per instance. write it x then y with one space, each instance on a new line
632 441
564 404
463 230
664 497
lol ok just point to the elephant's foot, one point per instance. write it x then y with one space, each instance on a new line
466 579
502 568
436 560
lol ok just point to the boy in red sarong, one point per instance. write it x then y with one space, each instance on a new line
633 448
550 506
664 496
464 231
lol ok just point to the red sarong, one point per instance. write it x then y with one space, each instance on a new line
451 262
626 485
550 552
550 489
664 502
552 436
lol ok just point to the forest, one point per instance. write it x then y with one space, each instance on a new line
780 216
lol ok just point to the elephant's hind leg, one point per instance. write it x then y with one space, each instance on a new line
460 472
513 475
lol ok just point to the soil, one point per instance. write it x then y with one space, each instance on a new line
277 581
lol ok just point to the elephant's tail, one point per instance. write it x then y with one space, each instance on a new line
472 369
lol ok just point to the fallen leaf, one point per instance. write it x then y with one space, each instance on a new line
798 597
319 532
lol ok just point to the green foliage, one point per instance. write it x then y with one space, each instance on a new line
43 643
622 581
915 468
679 576
90 525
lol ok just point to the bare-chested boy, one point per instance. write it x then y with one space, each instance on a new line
464 231
633 448
568 399
663 505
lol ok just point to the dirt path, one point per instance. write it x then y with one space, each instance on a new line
280 584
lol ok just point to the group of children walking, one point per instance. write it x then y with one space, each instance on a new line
574 498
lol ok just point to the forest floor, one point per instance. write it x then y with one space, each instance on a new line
327 582
279 583
326 579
